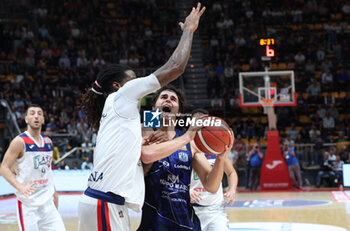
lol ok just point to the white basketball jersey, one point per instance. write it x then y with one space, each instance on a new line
117 165
207 197
35 167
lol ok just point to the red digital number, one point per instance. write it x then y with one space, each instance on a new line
269 52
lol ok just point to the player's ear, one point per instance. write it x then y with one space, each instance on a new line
116 85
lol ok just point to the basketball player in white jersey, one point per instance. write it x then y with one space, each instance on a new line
112 108
30 156
210 207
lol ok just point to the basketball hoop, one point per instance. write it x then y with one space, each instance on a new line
267 102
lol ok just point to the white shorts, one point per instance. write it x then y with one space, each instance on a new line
39 218
98 215
212 218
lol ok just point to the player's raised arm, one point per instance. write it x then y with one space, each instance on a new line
176 64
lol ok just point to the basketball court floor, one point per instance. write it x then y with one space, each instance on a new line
309 210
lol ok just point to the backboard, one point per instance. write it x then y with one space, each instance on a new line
256 87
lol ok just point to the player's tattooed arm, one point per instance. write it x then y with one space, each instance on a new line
176 64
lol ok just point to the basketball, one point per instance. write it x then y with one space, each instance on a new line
214 136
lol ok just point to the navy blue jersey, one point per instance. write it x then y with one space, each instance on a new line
167 203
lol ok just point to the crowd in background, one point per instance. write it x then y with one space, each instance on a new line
54 61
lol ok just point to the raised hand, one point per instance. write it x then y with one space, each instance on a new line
192 20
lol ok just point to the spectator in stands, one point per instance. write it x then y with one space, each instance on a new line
332 154
338 169
71 127
51 126
99 62
75 165
313 89
63 165
87 164
310 68
321 111
18 103
327 80
320 53
326 169
293 164
299 60
64 61
256 156
233 101
216 103
87 153
327 65
333 112
82 61
317 149
293 131
328 123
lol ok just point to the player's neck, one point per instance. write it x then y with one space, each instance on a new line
35 133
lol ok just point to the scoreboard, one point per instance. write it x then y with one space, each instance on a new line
267 48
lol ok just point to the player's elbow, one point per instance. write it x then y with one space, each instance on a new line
147 156
212 189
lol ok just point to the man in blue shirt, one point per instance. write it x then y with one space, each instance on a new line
293 164
256 157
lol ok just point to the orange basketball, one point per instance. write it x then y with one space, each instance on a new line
212 138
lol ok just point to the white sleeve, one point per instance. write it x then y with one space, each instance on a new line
135 89
127 99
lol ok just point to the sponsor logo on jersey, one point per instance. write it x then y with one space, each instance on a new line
174 179
165 163
183 156
184 148
182 166
47 140
121 214
31 146
195 176
40 160
96 176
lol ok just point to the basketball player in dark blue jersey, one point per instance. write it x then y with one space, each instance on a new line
168 167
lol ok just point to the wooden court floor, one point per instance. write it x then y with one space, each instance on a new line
250 207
